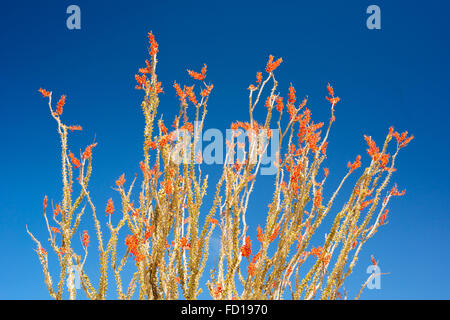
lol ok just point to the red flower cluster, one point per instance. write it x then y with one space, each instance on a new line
272 237
333 100
184 242
317 252
373 149
402 139
45 93
132 242
384 217
121 181
271 66
207 91
218 290
109 207
274 234
55 230
374 262
259 234
279 104
45 202
153 44
60 105
395 192
191 95
85 239
291 94
246 248
75 128
259 77
318 199
180 93
57 210
88 151
374 153
147 69
141 80
355 165
147 172
74 160
198 76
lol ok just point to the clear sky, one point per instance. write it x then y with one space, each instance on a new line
398 76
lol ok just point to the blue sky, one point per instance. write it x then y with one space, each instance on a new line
394 76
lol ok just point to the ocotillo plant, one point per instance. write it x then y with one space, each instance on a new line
167 236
